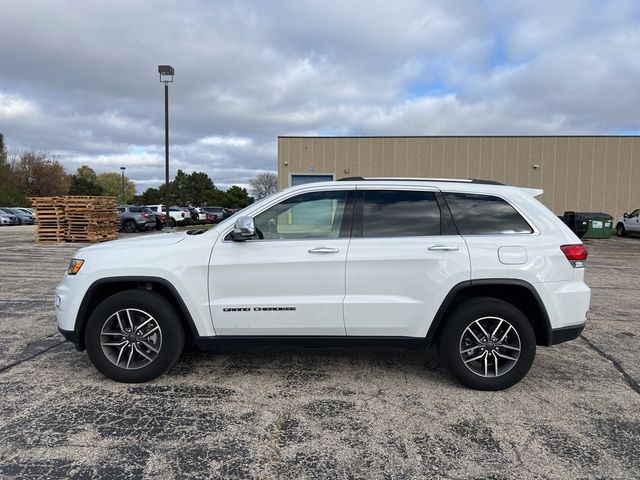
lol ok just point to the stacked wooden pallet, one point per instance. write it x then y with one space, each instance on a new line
91 219
75 218
51 222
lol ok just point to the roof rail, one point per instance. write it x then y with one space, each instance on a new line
405 179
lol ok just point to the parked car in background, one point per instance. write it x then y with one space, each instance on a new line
135 218
194 214
161 220
177 215
8 219
28 211
628 222
219 213
210 218
23 218
202 215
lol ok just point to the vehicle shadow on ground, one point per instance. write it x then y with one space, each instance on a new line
323 361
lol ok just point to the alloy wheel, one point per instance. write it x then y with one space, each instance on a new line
131 338
490 347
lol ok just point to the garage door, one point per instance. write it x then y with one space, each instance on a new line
299 179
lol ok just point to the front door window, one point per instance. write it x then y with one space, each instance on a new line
307 216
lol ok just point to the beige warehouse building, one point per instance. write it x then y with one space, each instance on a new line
580 173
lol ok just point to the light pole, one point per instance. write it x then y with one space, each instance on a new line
123 169
166 76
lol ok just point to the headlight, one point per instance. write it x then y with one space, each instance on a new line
74 266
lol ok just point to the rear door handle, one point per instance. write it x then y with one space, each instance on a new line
446 248
324 250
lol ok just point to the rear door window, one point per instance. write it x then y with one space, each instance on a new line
485 215
400 213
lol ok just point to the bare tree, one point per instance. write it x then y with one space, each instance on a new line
264 184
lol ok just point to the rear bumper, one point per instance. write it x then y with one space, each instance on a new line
565 334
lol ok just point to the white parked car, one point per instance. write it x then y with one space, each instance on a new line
629 222
483 269
177 215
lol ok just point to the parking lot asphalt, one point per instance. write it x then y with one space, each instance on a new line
316 412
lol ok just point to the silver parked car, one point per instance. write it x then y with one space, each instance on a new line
134 218
23 218
7 219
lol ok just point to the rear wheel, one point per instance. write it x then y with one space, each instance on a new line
172 222
487 344
134 336
130 226
620 231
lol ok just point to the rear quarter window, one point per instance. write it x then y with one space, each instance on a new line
485 215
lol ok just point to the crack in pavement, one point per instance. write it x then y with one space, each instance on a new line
30 357
627 378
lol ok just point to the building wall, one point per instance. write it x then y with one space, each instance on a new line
582 173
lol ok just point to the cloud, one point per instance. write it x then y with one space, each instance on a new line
13 108
79 79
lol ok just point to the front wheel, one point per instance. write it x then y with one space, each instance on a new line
487 344
134 336
172 222
620 230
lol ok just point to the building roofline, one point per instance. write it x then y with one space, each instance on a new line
458 136
409 179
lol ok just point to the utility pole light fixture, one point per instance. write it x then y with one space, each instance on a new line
123 169
166 76
166 71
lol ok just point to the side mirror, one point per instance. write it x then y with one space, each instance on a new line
244 229
625 215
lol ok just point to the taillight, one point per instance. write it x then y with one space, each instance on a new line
576 254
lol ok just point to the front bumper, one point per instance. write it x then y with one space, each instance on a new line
73 337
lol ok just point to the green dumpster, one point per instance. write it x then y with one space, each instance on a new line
599 224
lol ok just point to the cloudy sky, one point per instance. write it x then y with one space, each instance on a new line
79 79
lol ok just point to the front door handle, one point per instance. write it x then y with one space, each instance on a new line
324 250
446 248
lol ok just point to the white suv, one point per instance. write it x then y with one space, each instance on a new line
483 269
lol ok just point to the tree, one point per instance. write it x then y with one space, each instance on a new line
85 182
238 197
36 174
151 196
111 183
3 151
195 188
264 184
86 172
9 194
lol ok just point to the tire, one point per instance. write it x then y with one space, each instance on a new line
172 222
459 349
129 226
153 354
620 231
